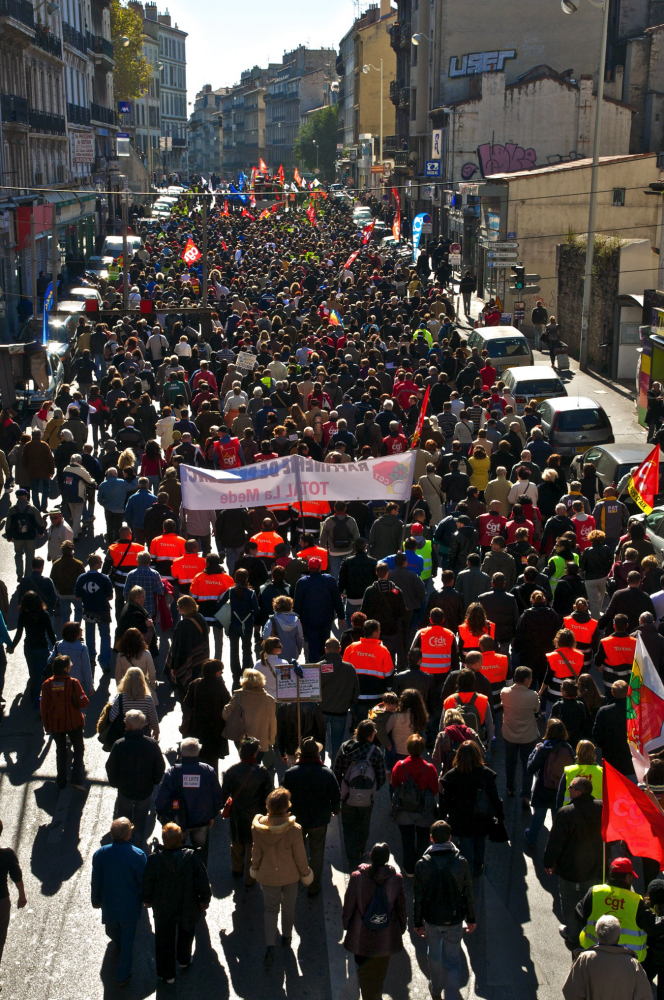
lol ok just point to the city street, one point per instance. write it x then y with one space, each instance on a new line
57 948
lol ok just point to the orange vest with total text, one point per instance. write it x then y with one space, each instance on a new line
167 547
210 586
481 702
130 560
266 542
583 631
560 669
369 657
619 649
494 667
436 649
187 567
473 641
315 552
312 508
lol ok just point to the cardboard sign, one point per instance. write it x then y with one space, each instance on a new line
246 361
309 683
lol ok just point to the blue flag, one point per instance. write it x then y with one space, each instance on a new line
48 305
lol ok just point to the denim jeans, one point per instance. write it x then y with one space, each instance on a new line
444 957
473 849
26 548
334 564
36 660
512 753
247 659
337 731
65 609
61 756
232 556
100 365
315 636
104 643
536 823
44 484
122 934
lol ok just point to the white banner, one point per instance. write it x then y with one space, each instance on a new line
294 478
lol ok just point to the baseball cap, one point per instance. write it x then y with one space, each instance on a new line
623 865
314 563
416 529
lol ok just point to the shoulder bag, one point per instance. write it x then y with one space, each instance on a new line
226 811
235 729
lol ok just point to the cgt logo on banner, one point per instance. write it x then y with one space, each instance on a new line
294 478
191 253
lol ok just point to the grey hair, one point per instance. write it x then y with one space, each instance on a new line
144 559
607 929
129 421
135 719
111 471
190 747
75 458
647 618
66 435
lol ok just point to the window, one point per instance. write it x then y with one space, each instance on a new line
572 421
508 347
618 200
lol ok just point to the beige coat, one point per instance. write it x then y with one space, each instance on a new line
146 663
498 489
607 972
431 490
278 856
260 715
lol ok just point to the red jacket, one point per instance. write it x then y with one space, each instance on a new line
62 699
425 775
396 445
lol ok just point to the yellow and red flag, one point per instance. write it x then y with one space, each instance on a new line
420 419
296 177
262 165
643 485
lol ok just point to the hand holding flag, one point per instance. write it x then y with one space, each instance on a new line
643 484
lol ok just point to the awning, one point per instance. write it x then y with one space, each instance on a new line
631 300
72 205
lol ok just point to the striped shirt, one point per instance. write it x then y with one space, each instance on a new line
144 705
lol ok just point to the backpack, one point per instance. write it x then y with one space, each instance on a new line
377 914
359 784
408 797
443 889
556 762
471 715
341 536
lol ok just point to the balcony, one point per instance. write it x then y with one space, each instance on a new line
14 109
179 143
400 158
45 123
391 143
400 36
74 38
100 47
20 12
49 43
76 115
101 114
394 91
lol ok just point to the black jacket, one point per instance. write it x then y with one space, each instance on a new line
567 590
386 607
575 715
175 884
232 528
574 845
155 516
428 903
315 793
410 585
501 609
458 794
356 574
654 643
311 721
534 637
464 542
610 735
450 601
249 801
596 561
646 919
631 602
135 765
340 686
415 679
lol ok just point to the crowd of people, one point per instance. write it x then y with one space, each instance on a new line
472 612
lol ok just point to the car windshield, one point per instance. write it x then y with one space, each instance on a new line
507 347
626 467
539 387
582 420
58 332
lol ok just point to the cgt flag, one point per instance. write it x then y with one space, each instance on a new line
191 253
645 709
420 419
628 814
351 260
297 178
311 214
397 198
396 226
367 231
643 484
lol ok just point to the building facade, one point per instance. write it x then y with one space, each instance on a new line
206 133
243 121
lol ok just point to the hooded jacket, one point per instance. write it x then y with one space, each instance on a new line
176 886
385 536
359 939
289 629
278 856
427 898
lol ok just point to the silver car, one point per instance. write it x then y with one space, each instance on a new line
654 525
614 462
574 424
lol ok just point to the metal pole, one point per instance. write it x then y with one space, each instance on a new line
594 178
147 123
660 266
54 258
204 251
381 111
125 261
33 260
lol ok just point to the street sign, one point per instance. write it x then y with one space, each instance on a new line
504 254
455 248
511 236
432 168
519 306
376 168
501 245
499 263
427 227
527 289
124 107
455 260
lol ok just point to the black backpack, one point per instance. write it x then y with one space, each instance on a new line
341 536
377 914
408 797
445 896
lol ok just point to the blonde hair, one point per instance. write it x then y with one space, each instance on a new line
126 460
187 606
134 685
549 475
252 680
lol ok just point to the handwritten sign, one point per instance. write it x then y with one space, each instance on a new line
309 683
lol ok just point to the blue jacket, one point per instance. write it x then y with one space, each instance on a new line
117 877
112 493
202 791
137 504
95 590
413 561
317 599
245 611
80 661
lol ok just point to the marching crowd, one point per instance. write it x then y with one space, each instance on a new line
473 611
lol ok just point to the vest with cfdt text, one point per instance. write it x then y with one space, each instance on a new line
620 903
436 649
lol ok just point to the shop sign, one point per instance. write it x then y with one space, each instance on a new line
84 147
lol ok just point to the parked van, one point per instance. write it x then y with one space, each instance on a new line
113 246
533 384
506 346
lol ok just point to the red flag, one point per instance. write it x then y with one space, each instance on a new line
264 214
224 246
191 253
281 173
296 177
351 260
252 201
420 419
311 215
397 198
367 231
262 165
643 485
247 214
396 225
629 815
226 212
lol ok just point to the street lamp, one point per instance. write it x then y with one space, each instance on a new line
418 36
315 142
569 7
366 69
122 39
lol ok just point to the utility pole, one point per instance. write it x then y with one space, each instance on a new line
33 260
204 251
125 262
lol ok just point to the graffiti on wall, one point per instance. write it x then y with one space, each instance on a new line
480 62
496 158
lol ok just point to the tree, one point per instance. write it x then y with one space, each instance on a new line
132 71
321 127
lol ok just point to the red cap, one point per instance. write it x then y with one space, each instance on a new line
314 563
623 865
416 529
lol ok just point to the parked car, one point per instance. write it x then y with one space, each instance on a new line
614 462
574 424
506 346
113 246
99 265
533 384
82 293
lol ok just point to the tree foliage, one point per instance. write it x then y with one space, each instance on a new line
321 126
132 71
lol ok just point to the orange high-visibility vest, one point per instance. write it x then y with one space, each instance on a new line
560 669
187 567
315 552
266 542
473 641
165 548
129 561
436 649
481 702
619 649
583 631
373 664
494 667
210 586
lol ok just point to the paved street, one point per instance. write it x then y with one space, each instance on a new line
56 947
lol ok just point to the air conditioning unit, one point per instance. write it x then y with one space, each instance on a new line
61 173
39 179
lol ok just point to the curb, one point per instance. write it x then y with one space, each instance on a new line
612 385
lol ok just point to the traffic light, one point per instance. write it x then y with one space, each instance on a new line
519 275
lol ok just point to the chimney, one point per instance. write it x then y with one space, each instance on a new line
151 11
165 19
137 6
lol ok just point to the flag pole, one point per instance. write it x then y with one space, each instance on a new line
603 862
